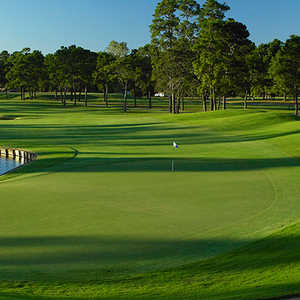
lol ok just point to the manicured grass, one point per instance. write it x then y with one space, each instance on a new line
100 214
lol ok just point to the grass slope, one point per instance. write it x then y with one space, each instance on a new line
101 215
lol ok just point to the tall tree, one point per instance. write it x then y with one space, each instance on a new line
146 80
4 66
172 29
236 49
104 75
209 65
260 61
54 77
285 68
72 68
20 71
124 70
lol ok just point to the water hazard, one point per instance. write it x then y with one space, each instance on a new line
8 164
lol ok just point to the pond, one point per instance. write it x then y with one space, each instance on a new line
8 164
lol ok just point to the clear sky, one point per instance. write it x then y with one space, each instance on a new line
49 24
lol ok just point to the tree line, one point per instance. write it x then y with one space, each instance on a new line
194 51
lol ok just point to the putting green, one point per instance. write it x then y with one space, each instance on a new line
102 198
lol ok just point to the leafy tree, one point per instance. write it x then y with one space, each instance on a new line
173 28
236 49
104 74
37 71
285 68
87 65
71 68
4 66
124 70
51 64
118 49
23 71
209 66
145 80
259 67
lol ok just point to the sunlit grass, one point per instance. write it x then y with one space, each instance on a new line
100 214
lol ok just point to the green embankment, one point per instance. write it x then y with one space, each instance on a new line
100 214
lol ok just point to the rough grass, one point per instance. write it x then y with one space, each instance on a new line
100 214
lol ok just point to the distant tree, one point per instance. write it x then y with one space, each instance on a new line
105 75
236 49
87 66
285 68
4 67
21 71
124 70
173 28
260 60
37 71
118 49
71 68
209 66
146 80
54 76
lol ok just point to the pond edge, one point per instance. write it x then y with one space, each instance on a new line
23 156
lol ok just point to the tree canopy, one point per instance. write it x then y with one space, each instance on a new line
194 50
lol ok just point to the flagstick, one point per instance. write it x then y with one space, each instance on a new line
173 164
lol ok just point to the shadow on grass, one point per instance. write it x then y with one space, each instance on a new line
113 255
101 252
154 164
131 134
110 255
276 252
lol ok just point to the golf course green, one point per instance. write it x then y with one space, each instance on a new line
101 215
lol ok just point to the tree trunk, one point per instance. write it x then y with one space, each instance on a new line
75 99
106 95
65 95
211 101
214 100
170 104
79 96
265 95
55 94
6 92
285 97
204 103
219 103
182 103
245 101
21 93
178 105
224 102
296 104
134 96
125 98
150 99
174 103
85 97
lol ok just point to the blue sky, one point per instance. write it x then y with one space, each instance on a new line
49 24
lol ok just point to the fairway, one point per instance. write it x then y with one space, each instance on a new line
102 200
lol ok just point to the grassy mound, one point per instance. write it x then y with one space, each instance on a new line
101 214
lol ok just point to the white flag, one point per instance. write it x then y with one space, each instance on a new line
175 145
